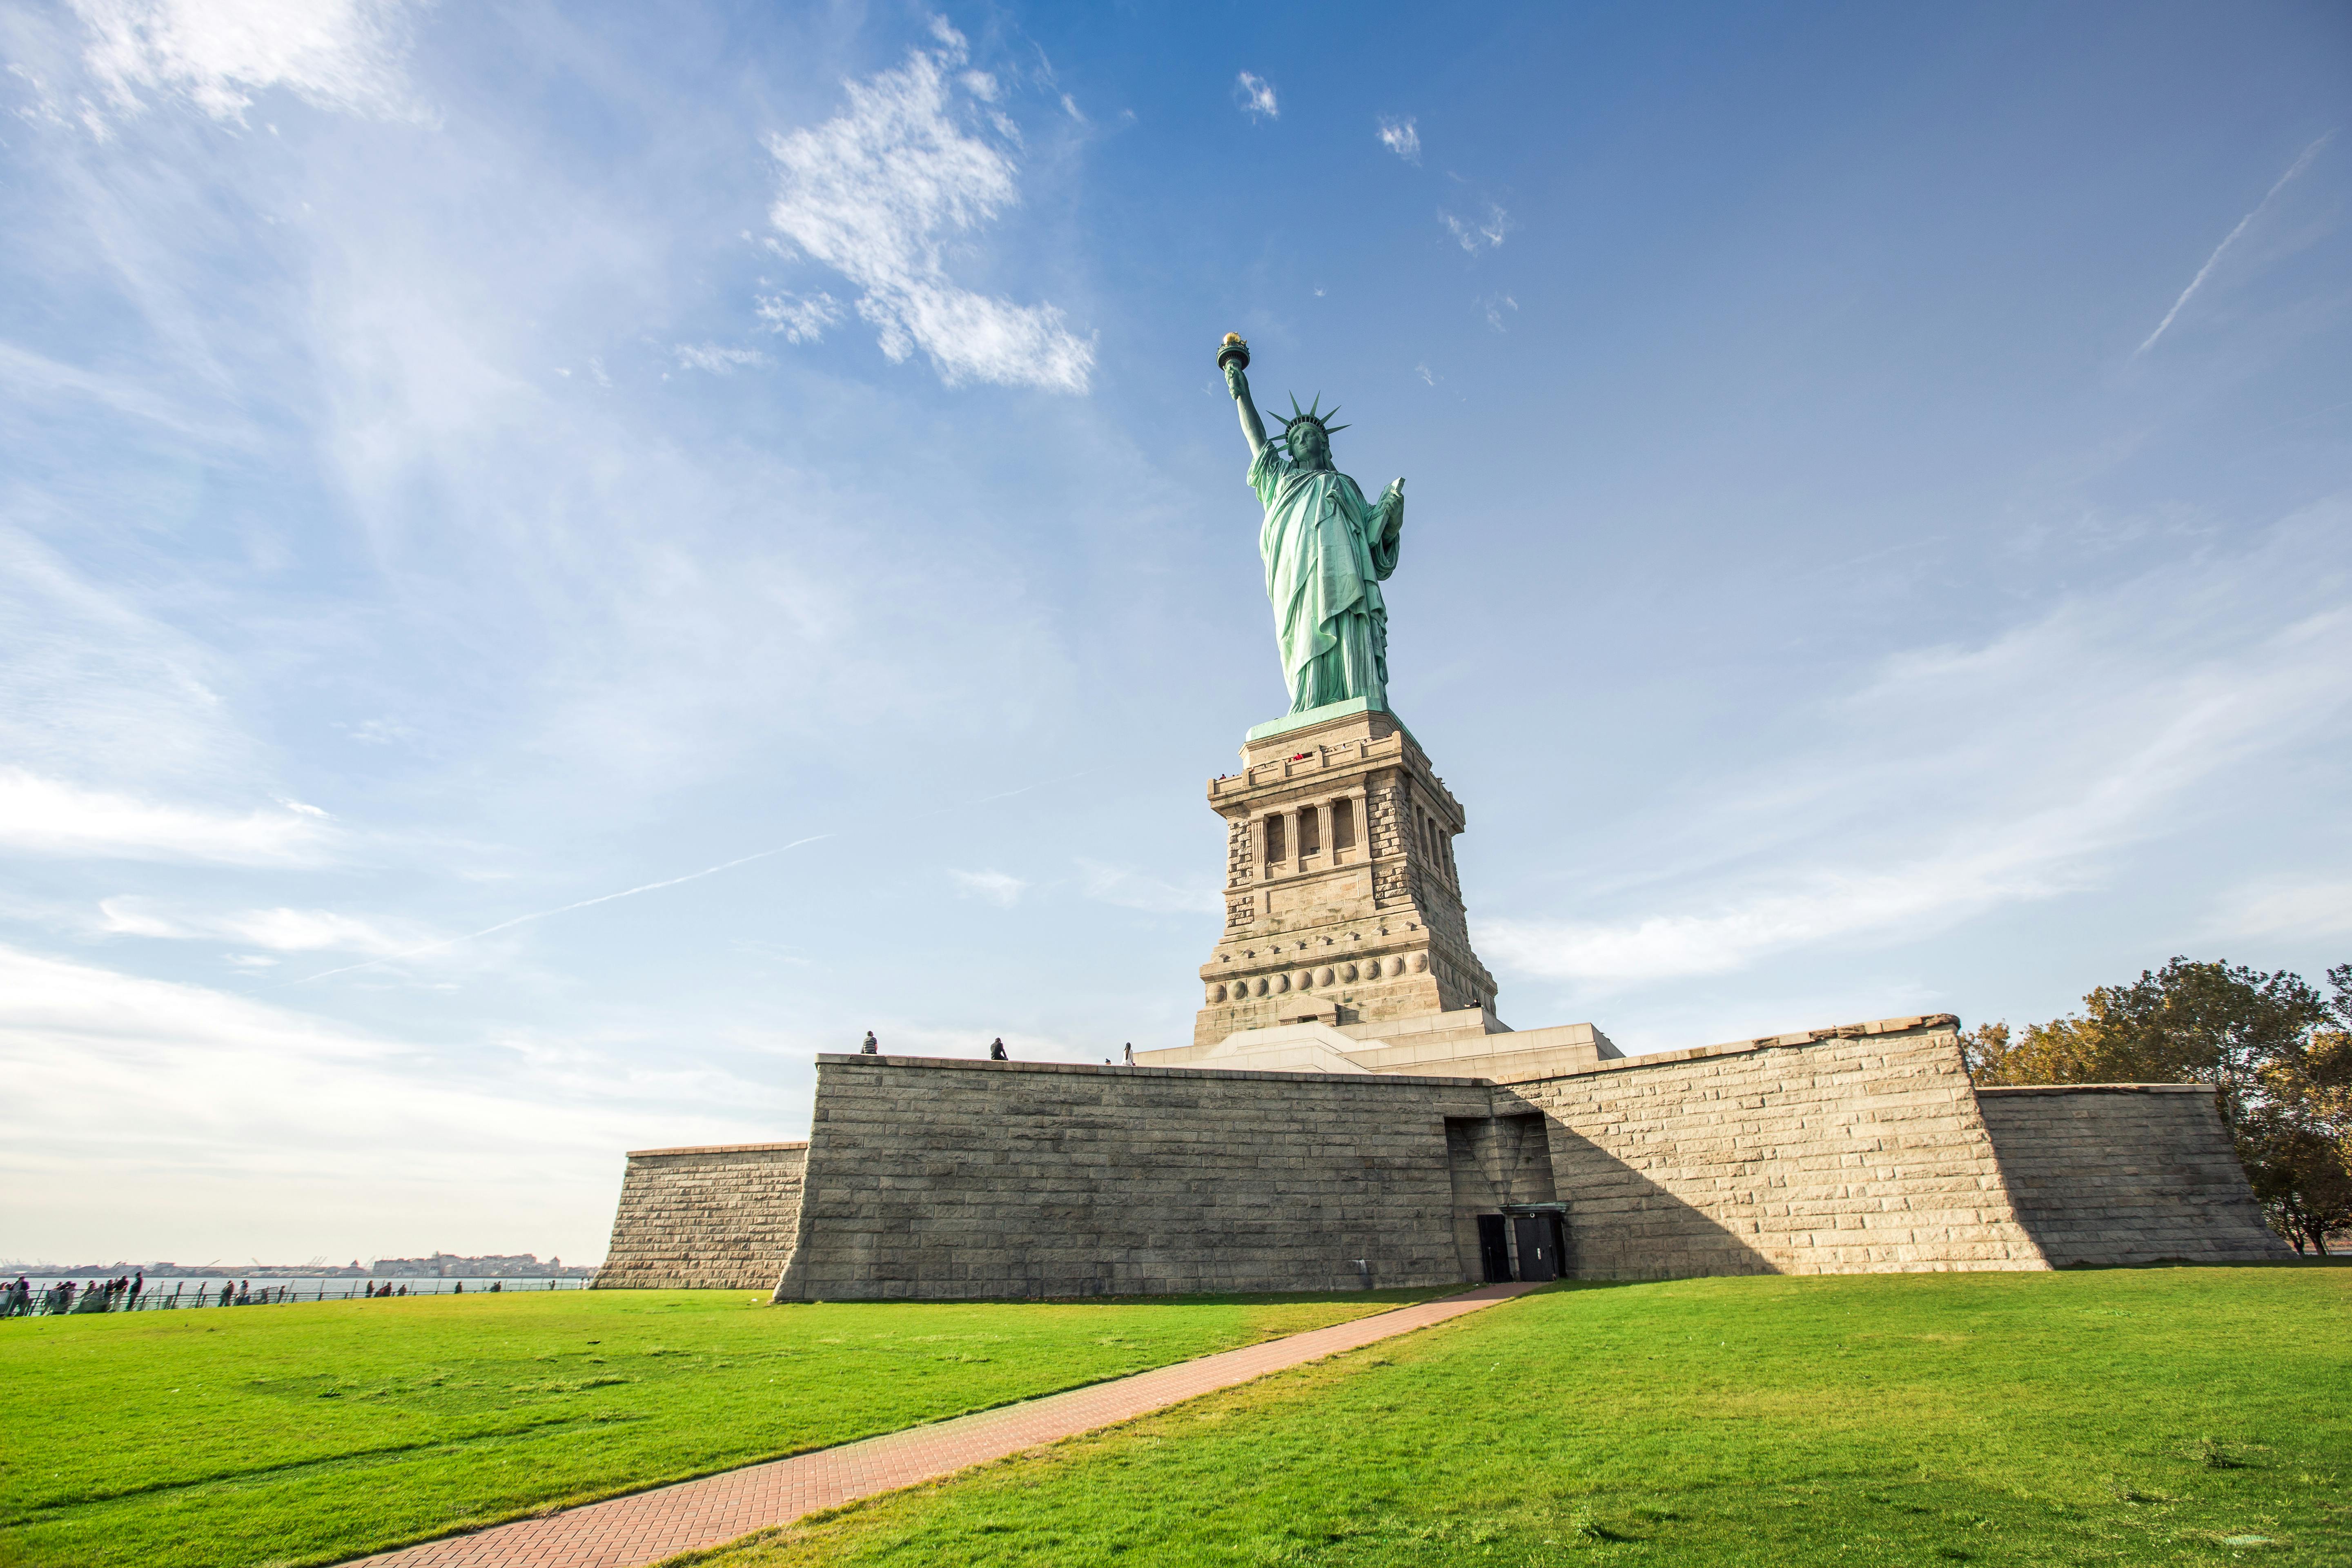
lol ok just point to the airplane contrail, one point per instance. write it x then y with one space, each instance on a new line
561 910
648 887
2199 281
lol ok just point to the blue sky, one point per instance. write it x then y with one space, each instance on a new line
1878 543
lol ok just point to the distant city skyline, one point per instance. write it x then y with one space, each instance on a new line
489 1266
489 680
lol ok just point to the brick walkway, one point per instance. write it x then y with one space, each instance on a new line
646 1527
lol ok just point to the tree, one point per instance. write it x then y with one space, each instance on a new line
2300 1136
2300 1179
2278 1055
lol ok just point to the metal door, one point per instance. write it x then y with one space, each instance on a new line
1494 1248
1539 1251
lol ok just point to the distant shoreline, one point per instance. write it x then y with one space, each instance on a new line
454 1270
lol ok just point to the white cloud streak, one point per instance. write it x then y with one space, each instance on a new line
1255 95
421 950
37 379
2295 908
215 1110
1478 234
800 318
278 929
2229 240
98 688
876 192
716 360
1133 889
1900 902
999 887
2112 720
343 55
1400 137
48 817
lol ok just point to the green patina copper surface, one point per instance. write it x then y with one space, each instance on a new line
1327 550
1290 721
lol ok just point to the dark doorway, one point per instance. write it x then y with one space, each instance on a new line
1538 1239
1493 1250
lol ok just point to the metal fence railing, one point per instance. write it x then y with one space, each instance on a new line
161 1296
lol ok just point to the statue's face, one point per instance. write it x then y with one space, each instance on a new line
1308 445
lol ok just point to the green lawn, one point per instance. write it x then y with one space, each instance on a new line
309 1432
2122 1417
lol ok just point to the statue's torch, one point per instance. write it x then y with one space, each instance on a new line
1234 351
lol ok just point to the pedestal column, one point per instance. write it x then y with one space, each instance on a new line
1382 916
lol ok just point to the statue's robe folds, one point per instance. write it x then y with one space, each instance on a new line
1327 552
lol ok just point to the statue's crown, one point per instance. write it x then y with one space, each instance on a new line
1313 414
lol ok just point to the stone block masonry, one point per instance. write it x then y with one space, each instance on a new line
2126 1173
1855 1150
939 1179
1342 900
705 1218
1862 1149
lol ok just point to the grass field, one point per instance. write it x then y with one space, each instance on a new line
309 1432
2192 1415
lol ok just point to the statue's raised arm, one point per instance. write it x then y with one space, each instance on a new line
1234 360
1327 550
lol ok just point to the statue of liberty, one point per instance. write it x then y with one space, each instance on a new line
1327 550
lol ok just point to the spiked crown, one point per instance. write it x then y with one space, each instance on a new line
1314 414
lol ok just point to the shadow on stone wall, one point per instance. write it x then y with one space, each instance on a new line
1622 1225
948 1179
2120 1173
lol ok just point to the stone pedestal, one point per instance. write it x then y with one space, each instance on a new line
1341 902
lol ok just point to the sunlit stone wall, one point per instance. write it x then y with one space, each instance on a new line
705 1218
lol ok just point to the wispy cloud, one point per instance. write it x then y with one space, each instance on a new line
1400 137
2299 907
800 317
2113 713
204 1098
377 732
1900 902
1134 889
31 376
718 360
999 887
436 946
1478 234
99 687
876 193
1255 95
341 54
2297 167
1496 305
49 817
278 929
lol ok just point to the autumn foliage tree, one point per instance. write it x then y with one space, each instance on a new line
2277 1051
